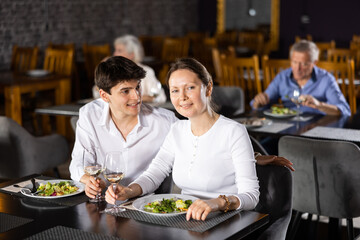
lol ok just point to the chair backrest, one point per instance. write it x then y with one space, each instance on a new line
152 45
241 72
308 37
174 48
271 67
93 55
326 181
341 54
323 49
23 154
275 199
257 146
252 40
65 46
230 100
24 58
59 61
344 73
202 51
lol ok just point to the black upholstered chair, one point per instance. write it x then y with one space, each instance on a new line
231 100
326 181
22 154
275 198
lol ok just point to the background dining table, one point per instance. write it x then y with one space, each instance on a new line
76 217
14 85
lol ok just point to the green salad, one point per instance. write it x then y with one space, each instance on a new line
282 110
171 205
56 189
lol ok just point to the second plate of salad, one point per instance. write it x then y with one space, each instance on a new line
55 189
164 204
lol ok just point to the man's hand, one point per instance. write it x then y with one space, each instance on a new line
261 99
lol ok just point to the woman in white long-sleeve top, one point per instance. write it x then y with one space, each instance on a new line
210 156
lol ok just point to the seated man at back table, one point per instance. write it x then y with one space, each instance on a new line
319 91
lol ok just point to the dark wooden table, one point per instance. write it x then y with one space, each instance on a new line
14 85
86 217
300 127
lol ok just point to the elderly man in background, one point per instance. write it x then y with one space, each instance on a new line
319 90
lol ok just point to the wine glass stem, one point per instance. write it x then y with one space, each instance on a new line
114 187
298 111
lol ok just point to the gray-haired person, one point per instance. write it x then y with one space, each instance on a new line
319 90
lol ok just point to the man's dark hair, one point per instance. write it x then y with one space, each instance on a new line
115 70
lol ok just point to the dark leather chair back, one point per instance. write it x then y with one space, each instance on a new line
22 154
230 100
327 179
275 199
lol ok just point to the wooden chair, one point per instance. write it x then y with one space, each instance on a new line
271 67
308 37
225 39
93 55
75 79
323 49
325 182
152 45
59 61
216 55
343 55
254 41
202 51
173 48
344 73
241 72
24 58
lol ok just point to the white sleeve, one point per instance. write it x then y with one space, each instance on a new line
150 81
159 169
82 141
245 170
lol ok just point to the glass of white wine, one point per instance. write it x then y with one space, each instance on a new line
93 167
115 168
295 98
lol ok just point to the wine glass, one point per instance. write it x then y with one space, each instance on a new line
155 89
92 167
295 98
115 168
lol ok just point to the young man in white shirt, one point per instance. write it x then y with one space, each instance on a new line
117 121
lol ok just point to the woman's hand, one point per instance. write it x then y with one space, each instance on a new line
275 160
122 193
199 209
92 186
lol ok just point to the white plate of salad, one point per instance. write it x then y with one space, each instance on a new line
54 189
164 204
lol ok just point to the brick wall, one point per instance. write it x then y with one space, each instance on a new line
37 22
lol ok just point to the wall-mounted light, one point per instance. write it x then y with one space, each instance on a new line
251 10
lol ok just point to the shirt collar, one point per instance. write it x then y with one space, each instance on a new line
105 116
314 73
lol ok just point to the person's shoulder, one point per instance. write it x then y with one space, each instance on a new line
146 68
230 125
323 74
92 106
158 113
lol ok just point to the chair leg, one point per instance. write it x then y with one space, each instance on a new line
334 228
294 226
350 228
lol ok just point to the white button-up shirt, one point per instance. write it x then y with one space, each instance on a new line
95 128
